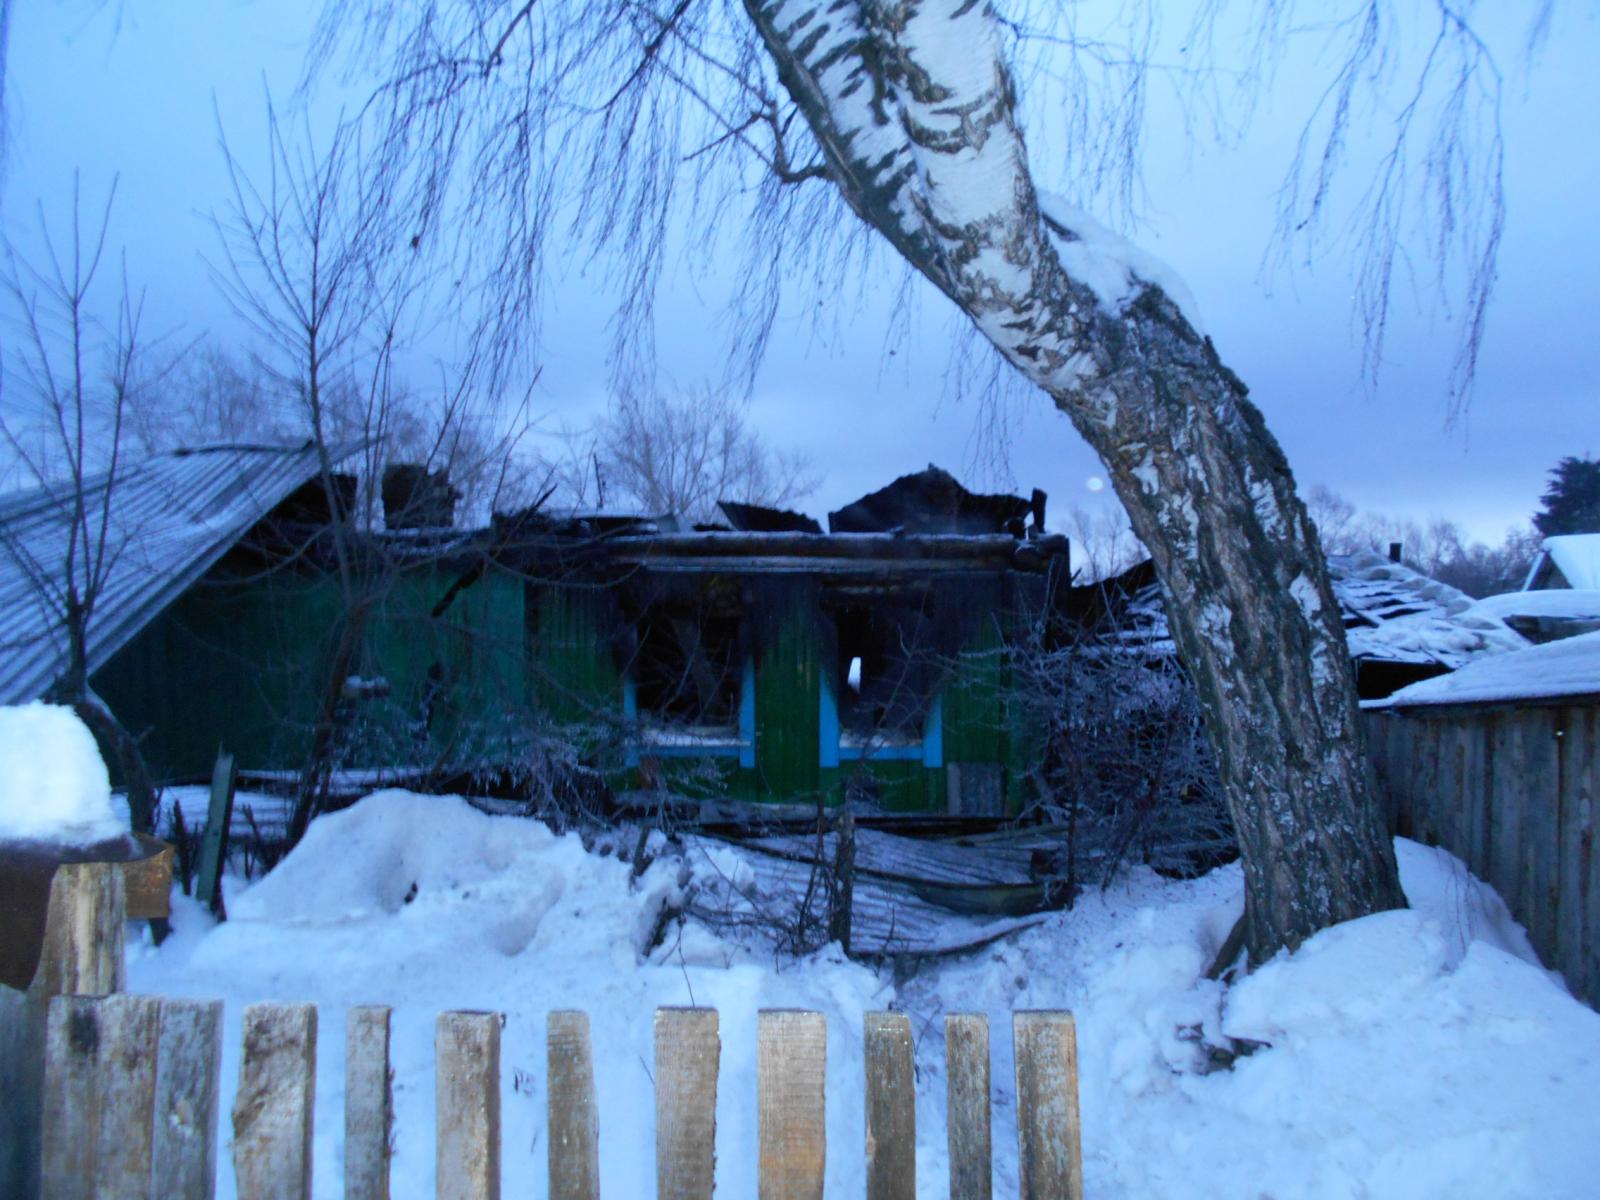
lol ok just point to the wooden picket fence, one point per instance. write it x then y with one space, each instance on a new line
132 1084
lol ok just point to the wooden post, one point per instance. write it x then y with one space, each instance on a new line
574 1127
891 1107
688 1052
99 1097
368 1103
214 843
272 1110
82 954
1049 1145
791 1080
467 1087
188 1075
966 1053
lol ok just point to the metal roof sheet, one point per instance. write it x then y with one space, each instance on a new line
167 520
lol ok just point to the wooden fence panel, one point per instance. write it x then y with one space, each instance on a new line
1049 1143
688 1054
966 1051
273 1107
467 1090
574 1121
791 1082
132 1097
891 1107
1511 791
368 1103
183 1160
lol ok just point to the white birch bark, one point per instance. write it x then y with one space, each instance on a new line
912 104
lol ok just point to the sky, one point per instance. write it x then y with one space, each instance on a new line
136 93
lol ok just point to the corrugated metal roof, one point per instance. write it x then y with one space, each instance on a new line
169 519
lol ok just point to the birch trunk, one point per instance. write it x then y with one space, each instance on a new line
912 105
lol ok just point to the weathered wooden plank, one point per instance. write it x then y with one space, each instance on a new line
183 1163
966 1050
1475 785
791 1075
1569 851
1541 797
891 1107
99 1096
574 1120
81 954
467 1088
272 1110
1505 858
1587 768
1049 1145
1451 784
688 1053
368 1103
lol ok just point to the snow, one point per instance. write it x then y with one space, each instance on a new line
53 783
1564 603
1578 556
1108 263
1569 667
1411 1054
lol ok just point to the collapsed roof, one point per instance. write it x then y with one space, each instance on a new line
1392 615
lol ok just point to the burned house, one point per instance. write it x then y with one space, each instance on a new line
759 660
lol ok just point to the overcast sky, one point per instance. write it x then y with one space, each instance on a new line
130 91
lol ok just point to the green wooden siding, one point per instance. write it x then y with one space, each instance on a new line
241 663
227 664
788 678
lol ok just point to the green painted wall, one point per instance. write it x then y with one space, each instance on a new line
226 664
240 662
789 665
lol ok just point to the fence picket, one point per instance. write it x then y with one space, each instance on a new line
966 1049
183 1162
272 1109
467 1090
891 1107
688 1053
368 1103
99 1096
791 1073
574 1123
1049 1151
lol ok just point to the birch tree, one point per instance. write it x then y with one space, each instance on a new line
833 126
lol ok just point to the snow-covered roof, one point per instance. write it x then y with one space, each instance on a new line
1563 603
1566 668
1396 614
169 519
1391 614
1575 555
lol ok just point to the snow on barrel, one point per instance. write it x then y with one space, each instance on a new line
54 788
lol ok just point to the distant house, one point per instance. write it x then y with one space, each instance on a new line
1561 597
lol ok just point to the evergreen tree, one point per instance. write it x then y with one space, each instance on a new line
1572 501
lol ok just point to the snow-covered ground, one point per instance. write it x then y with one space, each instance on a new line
1412 1054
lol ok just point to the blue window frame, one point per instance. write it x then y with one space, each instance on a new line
835 746
690 741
